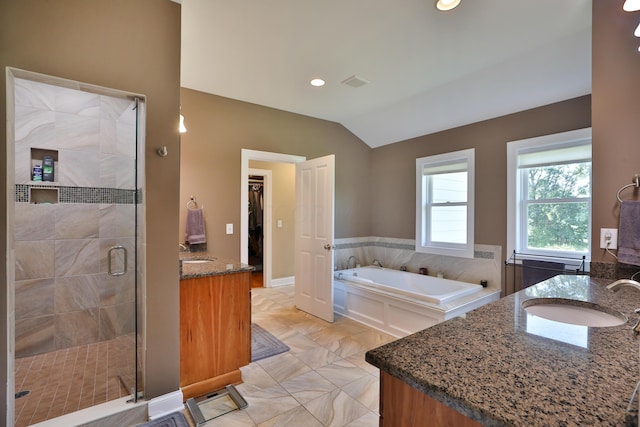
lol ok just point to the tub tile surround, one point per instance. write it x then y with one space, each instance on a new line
394 253
64 296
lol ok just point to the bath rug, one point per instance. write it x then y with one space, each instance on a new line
175 419
264 345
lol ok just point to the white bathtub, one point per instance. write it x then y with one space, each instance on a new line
400 303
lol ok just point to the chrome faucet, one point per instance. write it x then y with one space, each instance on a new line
376 262
356 261
615 287
183 248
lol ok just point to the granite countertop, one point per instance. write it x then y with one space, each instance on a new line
501 367
211 268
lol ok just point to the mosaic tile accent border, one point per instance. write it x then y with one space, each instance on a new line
89 195
403 246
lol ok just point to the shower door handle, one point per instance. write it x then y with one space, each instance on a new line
110 255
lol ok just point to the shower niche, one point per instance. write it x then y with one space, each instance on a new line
44 165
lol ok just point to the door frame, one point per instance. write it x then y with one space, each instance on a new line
247 155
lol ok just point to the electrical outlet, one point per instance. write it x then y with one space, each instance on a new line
229 228
609 238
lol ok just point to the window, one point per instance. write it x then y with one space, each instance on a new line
549 195
445 204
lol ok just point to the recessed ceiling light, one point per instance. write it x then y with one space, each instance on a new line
631 5
449 4
317 82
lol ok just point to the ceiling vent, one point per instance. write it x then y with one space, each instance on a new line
355 81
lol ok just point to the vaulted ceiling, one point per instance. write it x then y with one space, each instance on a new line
426 70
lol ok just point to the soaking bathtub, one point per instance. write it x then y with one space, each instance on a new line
400 303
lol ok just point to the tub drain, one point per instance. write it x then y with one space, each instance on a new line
22 393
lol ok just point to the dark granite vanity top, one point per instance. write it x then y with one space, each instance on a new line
502 367
213 265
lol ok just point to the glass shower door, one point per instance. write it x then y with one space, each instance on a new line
78 237
123 252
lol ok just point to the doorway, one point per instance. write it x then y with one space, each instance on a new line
261 160
260 205
75 230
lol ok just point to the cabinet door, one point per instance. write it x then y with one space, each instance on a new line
215 330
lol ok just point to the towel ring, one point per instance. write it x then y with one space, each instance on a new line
635 183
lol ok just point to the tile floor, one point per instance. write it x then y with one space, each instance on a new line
322 381
65 381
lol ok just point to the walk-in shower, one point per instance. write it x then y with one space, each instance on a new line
75 226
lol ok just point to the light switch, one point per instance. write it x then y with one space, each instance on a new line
229 228
279 223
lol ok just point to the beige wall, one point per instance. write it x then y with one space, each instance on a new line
393 167
218 128
132 46
616 112
283 208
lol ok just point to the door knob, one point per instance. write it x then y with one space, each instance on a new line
328 247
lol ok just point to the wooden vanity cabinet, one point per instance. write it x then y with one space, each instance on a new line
403 406
215 331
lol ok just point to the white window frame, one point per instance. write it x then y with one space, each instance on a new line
515 239
423 243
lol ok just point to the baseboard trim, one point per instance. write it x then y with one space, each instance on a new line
282 281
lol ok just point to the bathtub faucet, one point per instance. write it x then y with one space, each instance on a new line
376 262
356 261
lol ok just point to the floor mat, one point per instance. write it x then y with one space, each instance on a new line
175 419
263 344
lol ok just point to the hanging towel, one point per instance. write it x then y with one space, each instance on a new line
629 233
194 231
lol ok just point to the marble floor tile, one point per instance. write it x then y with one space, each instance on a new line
253 375
346 346
323 380
269 403
284 367
336 409
372 339
341 372
309 386
298 343
365 390
295 417
319 357
370 419
358 360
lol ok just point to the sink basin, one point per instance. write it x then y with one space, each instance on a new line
574 312
196 260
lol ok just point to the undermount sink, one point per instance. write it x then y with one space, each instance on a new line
574 312
196 260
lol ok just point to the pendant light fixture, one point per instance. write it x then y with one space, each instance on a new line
448 4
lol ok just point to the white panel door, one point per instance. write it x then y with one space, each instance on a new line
314 237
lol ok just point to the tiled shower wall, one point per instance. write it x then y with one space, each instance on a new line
63 294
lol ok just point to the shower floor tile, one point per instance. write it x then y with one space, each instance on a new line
65 381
